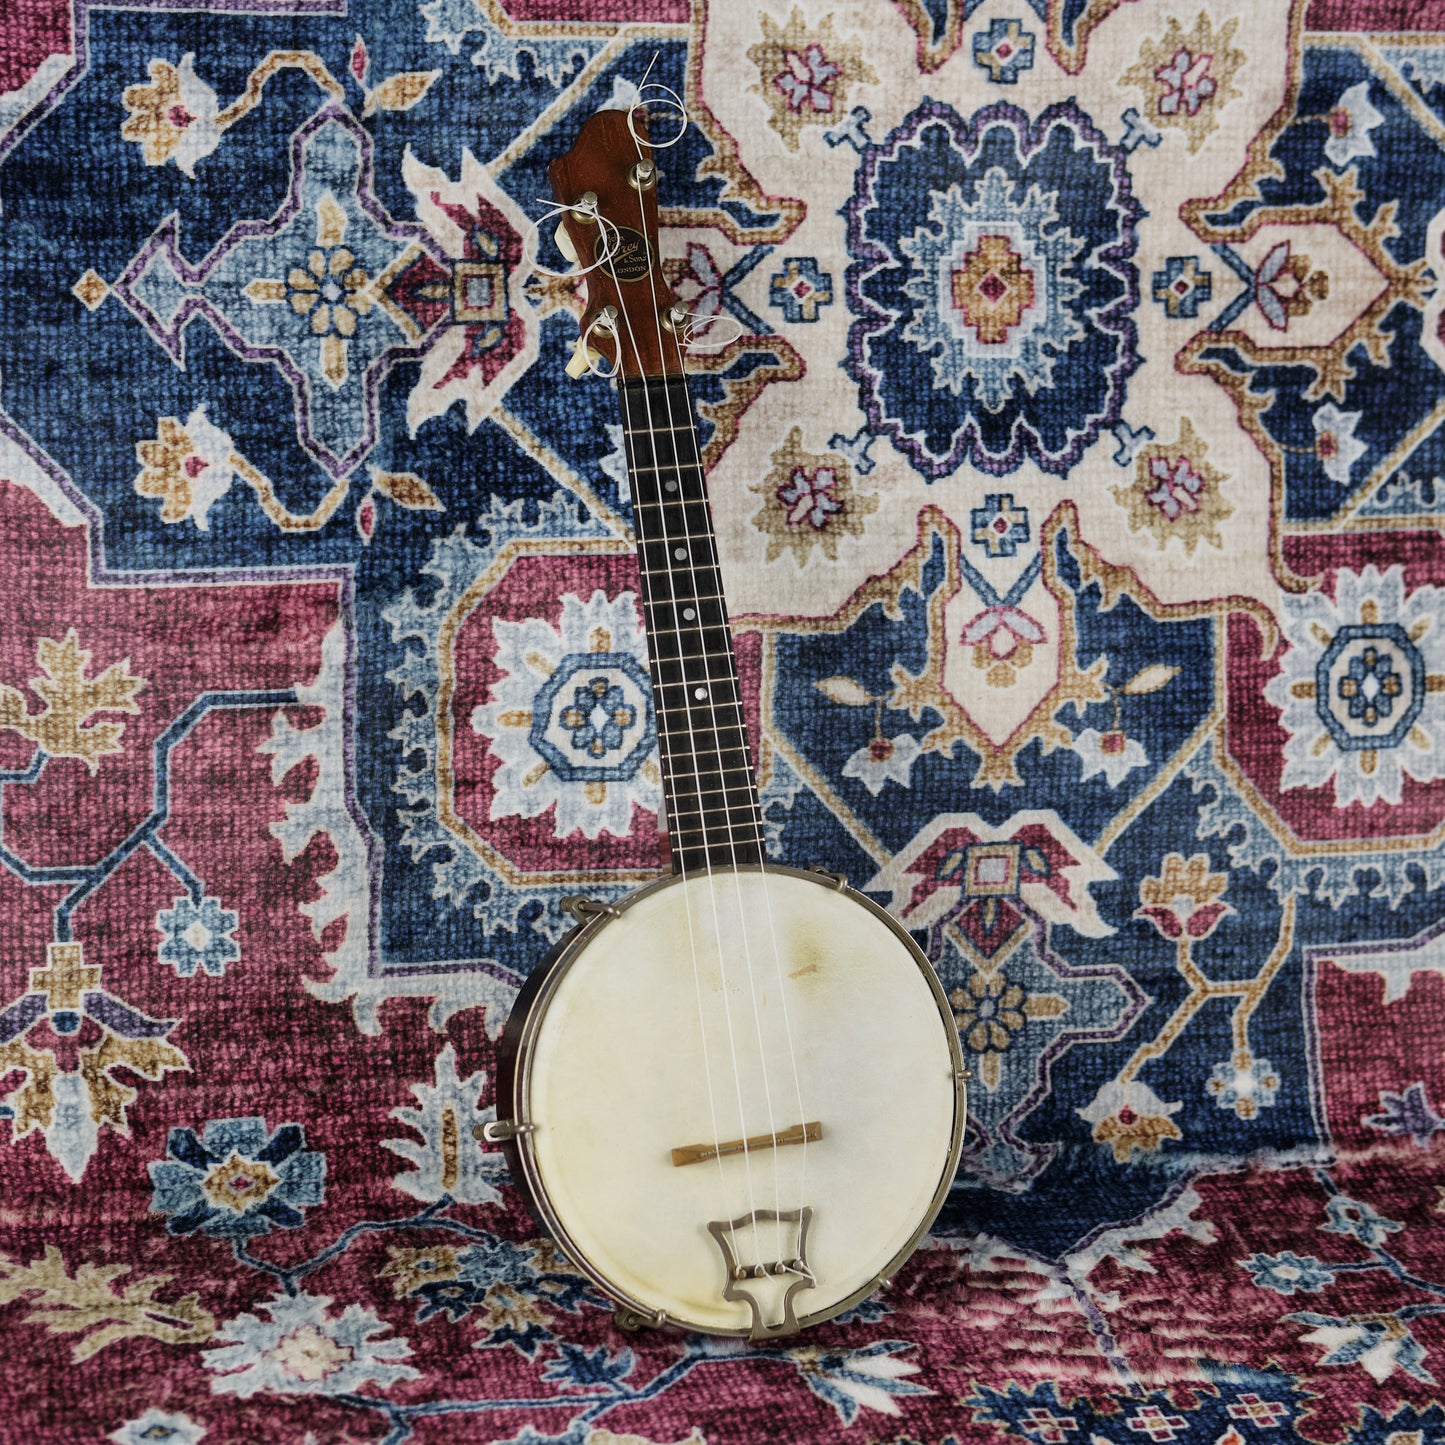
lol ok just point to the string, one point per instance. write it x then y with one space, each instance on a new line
665 729
690 329
589 212
707 658
767 892
696 326
668 539
601 322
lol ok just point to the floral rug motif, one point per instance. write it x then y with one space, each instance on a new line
1077 471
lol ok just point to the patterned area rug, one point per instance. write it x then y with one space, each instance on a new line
1077 472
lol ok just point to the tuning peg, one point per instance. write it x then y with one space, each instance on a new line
564 244
583 359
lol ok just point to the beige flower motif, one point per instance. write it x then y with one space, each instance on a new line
809 502
1188 77
506 1308
1000 672
1185 898
65 727
990 1011
805 76
186 464
1175 492
308 1354
175 117
237 1184
409 1269
331 290
1129 1117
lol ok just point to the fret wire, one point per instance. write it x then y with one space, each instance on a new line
740 770
715 821
659 461
716 675
666 710
716 630
677 635
734 770
655 457
742 792
739 779
694 853
697 657
743 762
667 644
684 812
641 434
693 835
672 707
690 835
696 850
701 830
696 507
704 731
672 537
705 571
669 739
648 447
691 625
706 804
727 678
740 787
652 593
692 511
641 465
666 713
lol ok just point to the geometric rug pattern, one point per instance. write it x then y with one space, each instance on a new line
1077 473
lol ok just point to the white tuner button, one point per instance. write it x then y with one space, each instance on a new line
564 244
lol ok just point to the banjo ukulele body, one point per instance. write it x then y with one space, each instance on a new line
735 1097
624 1125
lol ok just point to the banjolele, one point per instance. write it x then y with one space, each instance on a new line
735 1097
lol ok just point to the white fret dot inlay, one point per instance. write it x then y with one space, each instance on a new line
669 486
680 553
688 613
699 693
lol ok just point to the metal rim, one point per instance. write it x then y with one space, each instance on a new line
522 1091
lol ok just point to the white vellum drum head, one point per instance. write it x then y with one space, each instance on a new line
729 1007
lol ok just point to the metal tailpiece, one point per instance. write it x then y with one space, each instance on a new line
793 1268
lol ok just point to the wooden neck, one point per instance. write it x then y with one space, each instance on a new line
713 815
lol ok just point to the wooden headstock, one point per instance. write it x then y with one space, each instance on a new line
619 170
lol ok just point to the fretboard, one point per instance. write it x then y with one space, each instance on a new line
712 799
